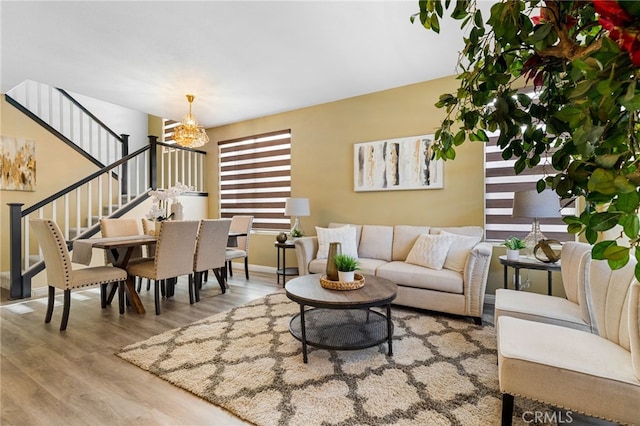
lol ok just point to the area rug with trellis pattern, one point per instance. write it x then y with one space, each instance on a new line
443 370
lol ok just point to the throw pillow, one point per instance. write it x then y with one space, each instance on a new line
459 250
430 251
345 235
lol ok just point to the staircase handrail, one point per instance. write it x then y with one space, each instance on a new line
85 180
91 115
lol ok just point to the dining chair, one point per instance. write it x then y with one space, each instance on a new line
241 224
122 227
210 252
60 272
173 258
571 311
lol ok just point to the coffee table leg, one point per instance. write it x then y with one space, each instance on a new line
304 335
389 328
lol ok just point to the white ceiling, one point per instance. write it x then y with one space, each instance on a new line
241 59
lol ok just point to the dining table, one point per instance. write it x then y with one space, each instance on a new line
120 250
119 253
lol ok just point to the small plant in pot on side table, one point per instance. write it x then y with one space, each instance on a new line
346 267
514 245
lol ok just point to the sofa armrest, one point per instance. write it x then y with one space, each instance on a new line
306 251
476 272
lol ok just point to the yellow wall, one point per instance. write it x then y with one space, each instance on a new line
57 165
322 167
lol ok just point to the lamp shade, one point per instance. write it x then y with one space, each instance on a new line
297 207
534 205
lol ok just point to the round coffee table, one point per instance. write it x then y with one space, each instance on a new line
341 319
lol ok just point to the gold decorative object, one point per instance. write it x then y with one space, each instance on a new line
550 256
189 134
358 282
332 269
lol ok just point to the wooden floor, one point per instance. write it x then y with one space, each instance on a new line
48 377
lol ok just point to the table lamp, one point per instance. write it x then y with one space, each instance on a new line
296 207
534 205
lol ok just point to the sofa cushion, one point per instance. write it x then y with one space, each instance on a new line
404 237
376 242
430 251
459 250
345 235
470 231
340 225
365 266
406 274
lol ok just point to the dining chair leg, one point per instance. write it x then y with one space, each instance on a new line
103 296
197 284
50 302
121 297
156 285
220 276
65 310
246 267
191 296
148 284
229 269
162 288
206 276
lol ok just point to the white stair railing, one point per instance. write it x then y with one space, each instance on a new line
61 112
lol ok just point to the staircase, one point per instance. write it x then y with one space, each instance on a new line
122 182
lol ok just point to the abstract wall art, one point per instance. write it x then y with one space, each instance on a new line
17 164
397 164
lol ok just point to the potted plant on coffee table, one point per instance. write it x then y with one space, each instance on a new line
513 245
346 267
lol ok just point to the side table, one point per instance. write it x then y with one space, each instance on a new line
528 263
281 268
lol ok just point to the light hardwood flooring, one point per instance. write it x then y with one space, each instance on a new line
48 377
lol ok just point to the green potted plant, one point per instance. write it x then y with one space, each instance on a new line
513 245
346 267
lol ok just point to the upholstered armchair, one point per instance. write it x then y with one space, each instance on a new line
571 311
241 250
595 374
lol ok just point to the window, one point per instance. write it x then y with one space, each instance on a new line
255 178
500 184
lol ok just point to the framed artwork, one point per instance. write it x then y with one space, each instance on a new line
17 164
396 164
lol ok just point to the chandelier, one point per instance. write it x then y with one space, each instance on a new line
189 134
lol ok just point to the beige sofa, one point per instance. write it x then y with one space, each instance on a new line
457 288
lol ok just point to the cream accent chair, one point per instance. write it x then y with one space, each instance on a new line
240 224
174 256
60 272
595 374
210 252
571 312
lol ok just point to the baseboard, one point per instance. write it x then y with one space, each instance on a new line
39 292
490 299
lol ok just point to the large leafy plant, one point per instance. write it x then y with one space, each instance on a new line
582 58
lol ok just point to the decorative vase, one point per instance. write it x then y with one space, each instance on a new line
281 237
332 269
346 276
513 254
177 210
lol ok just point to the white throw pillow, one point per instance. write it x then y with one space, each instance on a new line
459 250
430 251
345 235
